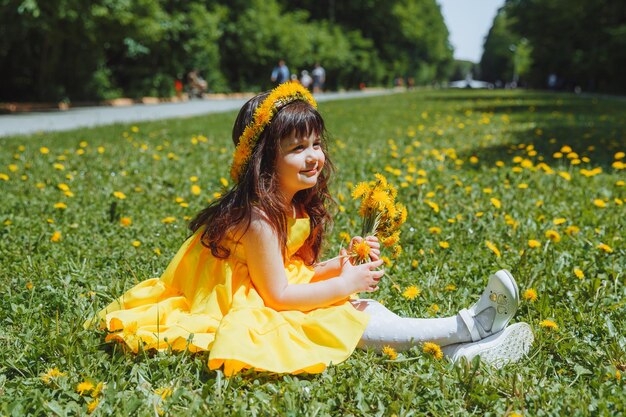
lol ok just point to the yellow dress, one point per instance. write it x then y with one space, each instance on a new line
202 303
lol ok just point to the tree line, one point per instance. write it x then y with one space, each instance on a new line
74 50
558 44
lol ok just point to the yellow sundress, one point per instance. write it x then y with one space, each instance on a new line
203 303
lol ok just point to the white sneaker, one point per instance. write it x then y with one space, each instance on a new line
507 346
495 308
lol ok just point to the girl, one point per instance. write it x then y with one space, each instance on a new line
247 285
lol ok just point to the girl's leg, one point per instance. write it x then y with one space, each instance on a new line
488 316
388 329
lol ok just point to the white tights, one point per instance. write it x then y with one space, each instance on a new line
401 333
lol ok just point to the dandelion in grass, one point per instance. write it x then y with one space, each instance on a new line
126 221
163 392
168 220
579 273
572 230
381 215
532 243
605 248
391 352
50 374
444 245
195 189
410 293
553 235
599 203
434 230
92 405
432 349
496 203
530 295
119 194
44 150
493 248
85 387
56 236
60 206
549 325
29 286
136 243
559 221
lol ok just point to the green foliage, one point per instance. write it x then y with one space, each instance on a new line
75 51
581 42
471 146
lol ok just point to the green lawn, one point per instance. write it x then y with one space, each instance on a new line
472 167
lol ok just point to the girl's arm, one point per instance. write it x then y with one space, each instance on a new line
267 271
332 267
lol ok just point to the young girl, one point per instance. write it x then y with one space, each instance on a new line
247 286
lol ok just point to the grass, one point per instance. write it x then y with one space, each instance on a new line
472 167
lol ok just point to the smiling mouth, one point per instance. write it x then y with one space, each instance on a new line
310 172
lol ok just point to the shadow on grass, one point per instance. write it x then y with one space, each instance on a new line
592 128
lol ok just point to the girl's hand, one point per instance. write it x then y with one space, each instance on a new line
372 242
362 277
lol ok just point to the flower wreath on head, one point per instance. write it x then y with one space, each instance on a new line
278 97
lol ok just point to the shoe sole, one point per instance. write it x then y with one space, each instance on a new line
505 347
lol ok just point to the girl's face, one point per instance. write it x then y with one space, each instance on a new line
300 161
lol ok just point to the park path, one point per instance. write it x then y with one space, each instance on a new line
28 123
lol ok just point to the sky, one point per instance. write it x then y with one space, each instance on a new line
469 22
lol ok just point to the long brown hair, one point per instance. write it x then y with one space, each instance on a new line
258 186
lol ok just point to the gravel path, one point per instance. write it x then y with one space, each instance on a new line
27 123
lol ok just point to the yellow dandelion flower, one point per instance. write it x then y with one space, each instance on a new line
386 261
565 175
559 221
157 251
391 240
530 295
136 243
379 198
126 221
4 177
553 235
414 263
168 220
92 405
434 230
410 293
344 236
29 285
444 245
432 349
432 205
599 203
450 287
44 150
579 273
84 387
572 230
224 182
362 250
619 155
605 248
532 243
51 373
549 324
434 308
119 194
56 236
163 392
195 189
61 206
493 248
496 203
58 167
391 352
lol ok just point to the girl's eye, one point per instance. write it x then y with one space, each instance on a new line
317 144
298 148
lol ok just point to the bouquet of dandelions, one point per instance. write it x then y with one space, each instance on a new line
382 217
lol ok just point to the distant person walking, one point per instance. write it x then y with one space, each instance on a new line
319 78
280 74
306 80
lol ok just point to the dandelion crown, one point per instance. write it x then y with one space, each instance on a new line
278 97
